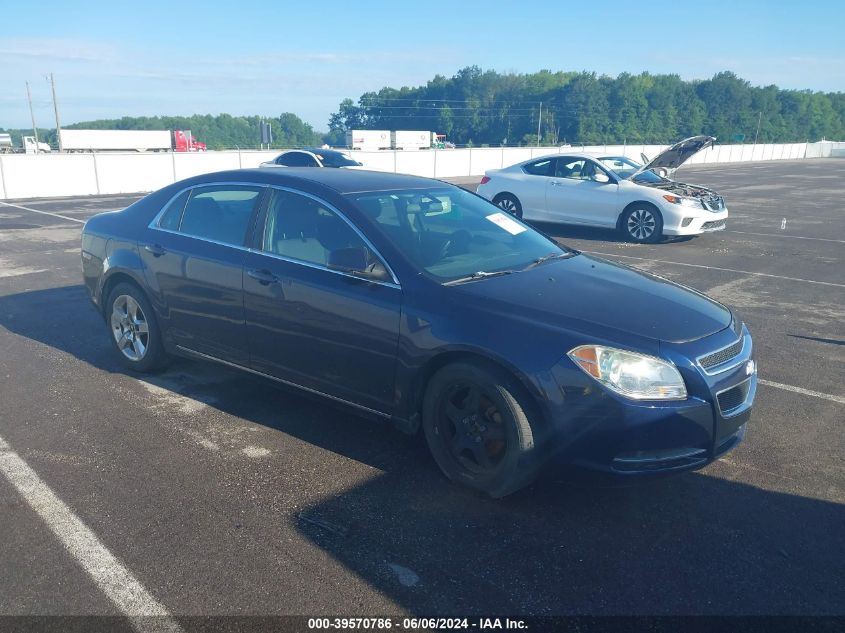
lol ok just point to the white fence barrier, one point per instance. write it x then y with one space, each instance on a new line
55 175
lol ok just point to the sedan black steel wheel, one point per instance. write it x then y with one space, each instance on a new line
477 428
472 428
642 224
134 330
509 203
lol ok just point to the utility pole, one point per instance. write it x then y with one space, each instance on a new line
539 118
56 108
759 118
32 116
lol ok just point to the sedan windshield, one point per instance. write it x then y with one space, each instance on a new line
456 236
625 168
336 159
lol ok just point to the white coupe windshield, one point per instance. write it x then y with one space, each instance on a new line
625 168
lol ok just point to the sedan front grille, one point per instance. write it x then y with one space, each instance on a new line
713 226
734 397
721 356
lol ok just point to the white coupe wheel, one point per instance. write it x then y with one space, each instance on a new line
642 224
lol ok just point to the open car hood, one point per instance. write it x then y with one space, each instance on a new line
678 154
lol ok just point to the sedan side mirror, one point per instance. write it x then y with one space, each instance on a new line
355 261
601 177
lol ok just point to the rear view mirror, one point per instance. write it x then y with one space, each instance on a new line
432 207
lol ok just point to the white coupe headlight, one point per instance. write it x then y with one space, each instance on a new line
694 203
629 374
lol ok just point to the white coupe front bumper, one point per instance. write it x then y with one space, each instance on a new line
697 222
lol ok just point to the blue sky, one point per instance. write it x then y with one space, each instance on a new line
142 58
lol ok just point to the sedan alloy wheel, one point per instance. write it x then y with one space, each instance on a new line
130 328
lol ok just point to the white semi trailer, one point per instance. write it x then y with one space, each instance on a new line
115 140
368 140
411 139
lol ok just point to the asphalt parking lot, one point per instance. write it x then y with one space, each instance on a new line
222 495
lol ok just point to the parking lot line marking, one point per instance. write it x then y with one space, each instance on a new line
801 390
794 237
122 588
55 215
730 270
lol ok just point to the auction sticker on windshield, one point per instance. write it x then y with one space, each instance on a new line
500 219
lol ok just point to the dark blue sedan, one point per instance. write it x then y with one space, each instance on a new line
416 301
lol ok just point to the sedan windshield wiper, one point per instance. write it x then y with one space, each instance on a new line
481 274
549 257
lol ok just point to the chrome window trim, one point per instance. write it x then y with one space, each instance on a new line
738 408
300 262
203 356
733 363
155 226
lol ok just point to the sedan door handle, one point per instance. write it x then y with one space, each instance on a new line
264 277
156 249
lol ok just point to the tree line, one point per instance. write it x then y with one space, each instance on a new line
476 107
222 131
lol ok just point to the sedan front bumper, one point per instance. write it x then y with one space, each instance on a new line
599 429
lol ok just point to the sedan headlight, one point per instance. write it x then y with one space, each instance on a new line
684 202
629 374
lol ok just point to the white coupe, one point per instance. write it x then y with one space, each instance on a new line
610 191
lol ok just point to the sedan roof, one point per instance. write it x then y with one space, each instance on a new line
314 150
340 180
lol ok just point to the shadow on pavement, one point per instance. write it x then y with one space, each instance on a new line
571 232
691 544
831 341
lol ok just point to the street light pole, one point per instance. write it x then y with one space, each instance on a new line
759 118
32 116
539 118
56 109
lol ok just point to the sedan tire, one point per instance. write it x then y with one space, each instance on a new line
477 427
642 223
509 203
134 330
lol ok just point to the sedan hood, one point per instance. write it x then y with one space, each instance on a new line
678 154
587 290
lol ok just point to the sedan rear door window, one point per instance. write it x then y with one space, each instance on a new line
172 216
220 213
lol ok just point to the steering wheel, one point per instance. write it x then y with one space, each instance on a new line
458 240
